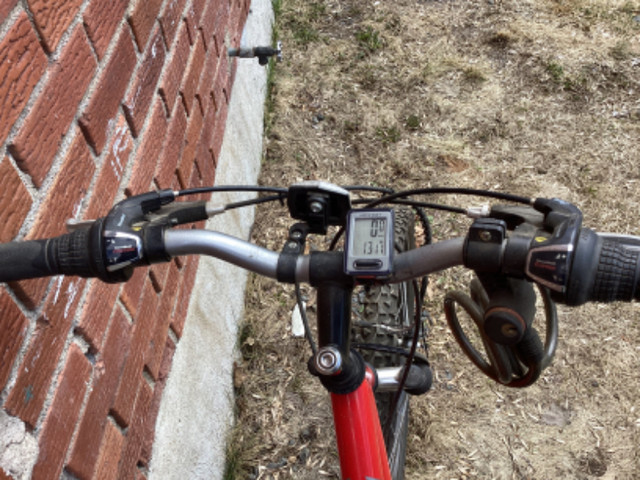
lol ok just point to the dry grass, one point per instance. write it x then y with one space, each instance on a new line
536 98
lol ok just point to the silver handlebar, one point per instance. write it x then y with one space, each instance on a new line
224 247
407 265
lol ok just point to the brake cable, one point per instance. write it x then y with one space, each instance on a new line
232 188
305 319
453 191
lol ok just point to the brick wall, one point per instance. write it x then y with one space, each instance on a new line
98 100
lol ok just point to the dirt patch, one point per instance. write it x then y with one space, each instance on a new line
534 98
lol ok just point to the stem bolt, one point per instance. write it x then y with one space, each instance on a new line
328 361
316 207
485 236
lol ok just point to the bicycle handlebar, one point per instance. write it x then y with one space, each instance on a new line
577 264
407 265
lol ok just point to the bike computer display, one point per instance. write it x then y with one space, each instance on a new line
369 242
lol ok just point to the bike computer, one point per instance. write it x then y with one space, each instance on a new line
369 243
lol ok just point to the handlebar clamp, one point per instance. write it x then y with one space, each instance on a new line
483 248
294 246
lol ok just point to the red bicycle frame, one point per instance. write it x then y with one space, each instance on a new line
361 449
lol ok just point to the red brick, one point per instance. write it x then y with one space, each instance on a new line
107 371
164 315
67 191
132 378
163 374
101 20
237 16
192 29
96 312
15 201
63 200
204 155
179 261
173 148
220 26
63 300
158 275
174 71
192 76
197 10
138 101
209 106
110 451
205 85
149 152
184 294
109 92
221 84
5 7
22 63
114 165
196 182
135 434
185 167
219 128
62 417
207 25
232 76
4 475
53 19
35 373
132 290
193 17
13 325
206 164
143 19
170 20
41 135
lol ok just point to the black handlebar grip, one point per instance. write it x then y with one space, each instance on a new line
22 260
71 254
605 269
64 255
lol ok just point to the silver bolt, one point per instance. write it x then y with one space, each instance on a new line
316 207
328 361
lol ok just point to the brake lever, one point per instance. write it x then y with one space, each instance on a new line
517 363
